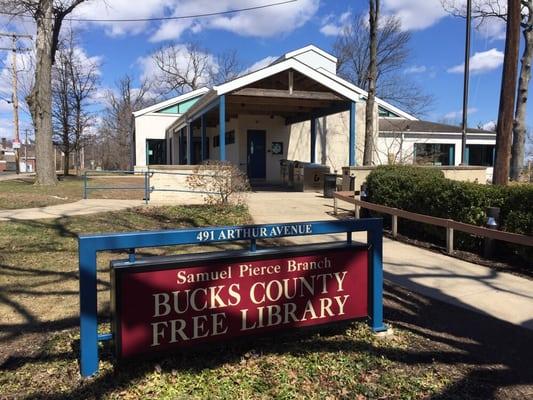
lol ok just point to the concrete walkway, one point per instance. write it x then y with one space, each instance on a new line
500 295
81 207
10 176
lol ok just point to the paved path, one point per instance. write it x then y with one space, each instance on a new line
81 207
9 176
501 295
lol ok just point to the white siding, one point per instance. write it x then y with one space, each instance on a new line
149 126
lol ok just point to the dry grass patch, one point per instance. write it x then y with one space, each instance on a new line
22 193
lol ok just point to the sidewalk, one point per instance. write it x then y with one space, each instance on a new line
81 207
500 295
9 176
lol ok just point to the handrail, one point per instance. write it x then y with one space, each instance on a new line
449 224
146 174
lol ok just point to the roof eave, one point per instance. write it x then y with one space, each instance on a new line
170 102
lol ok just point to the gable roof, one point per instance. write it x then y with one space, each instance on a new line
171 102
288 61
263 73
418 126
364 94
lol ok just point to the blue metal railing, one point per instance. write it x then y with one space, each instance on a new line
147 188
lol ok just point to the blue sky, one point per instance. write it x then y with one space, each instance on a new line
437 43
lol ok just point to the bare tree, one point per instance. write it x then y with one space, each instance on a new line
48 16
183 67
227 67
74 82
373 22
84 78
116 130
484 11
352 48
62 116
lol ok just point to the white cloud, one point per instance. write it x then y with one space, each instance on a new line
481 62
260 64
459 113
264 22
121 9
333 26
5 107
416 69
6 128
489 126
24 75
415 14
493 28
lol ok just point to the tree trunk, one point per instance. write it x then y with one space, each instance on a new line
40 97
66 163
372 72
519 131
504 128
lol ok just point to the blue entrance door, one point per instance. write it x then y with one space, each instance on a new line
256 154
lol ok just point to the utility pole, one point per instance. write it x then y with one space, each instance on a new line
504 128
15 102
465 81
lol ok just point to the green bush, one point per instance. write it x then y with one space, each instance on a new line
425 191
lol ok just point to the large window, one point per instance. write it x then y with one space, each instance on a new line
156 151
230 139
434 153
480 154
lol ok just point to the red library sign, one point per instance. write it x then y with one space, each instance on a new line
168 303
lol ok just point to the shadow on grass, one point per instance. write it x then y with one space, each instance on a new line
489 358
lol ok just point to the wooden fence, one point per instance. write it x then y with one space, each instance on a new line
449 224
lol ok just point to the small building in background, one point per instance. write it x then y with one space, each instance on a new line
430 143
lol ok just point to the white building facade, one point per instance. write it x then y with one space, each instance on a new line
150 125
296 108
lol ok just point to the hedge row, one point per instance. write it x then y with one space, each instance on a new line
426 191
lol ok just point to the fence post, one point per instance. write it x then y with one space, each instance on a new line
85 185
449 240
375 240
394 226
88 311
145 187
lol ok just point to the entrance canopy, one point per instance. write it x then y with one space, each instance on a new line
288 89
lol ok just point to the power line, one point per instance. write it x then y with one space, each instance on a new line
163 18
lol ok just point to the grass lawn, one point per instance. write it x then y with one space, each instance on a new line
436 351
22 193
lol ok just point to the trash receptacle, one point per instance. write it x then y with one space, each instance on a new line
284 172
298 176
290 176
330 185
348 179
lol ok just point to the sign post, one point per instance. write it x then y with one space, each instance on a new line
160 303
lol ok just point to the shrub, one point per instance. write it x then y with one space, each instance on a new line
426 191
222 182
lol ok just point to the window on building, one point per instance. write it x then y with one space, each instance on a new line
435 153
386 113
230 139
156 151
480 154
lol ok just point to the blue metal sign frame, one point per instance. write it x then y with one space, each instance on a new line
90 245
